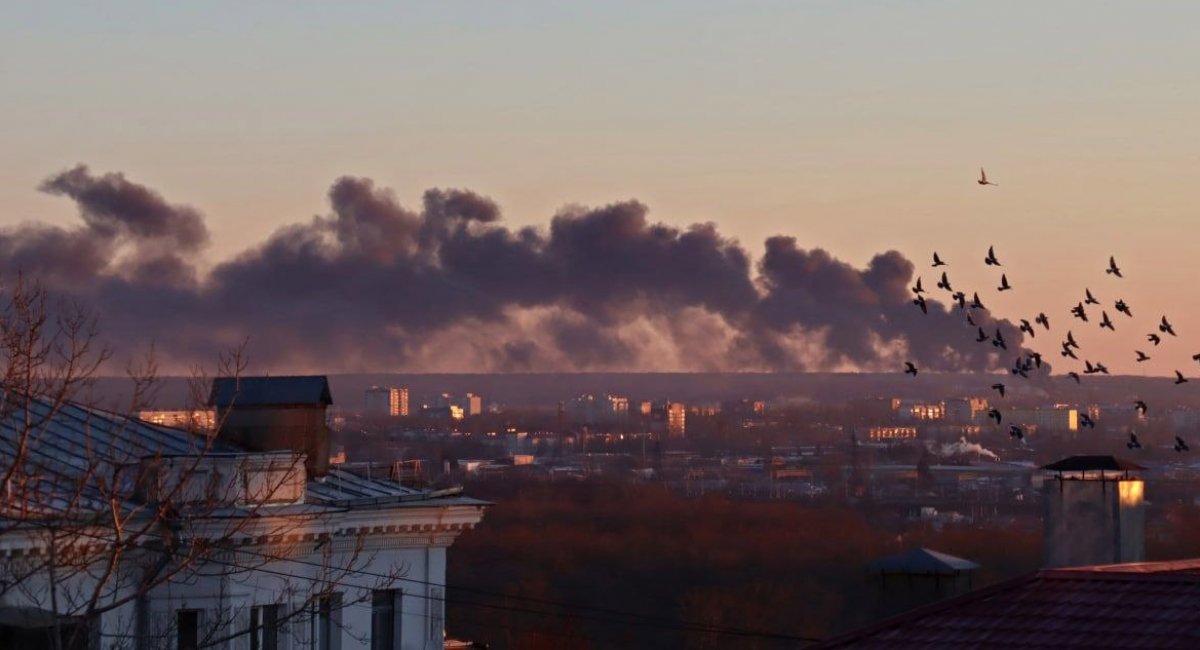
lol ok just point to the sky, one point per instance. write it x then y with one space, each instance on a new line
857 128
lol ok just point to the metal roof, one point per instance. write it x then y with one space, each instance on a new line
270 391
923 560
1094 463
1156 605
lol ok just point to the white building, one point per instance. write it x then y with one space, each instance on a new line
159 538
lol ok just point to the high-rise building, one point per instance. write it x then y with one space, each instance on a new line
471 404
676 418
385 402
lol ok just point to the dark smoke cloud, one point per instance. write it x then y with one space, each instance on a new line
373 285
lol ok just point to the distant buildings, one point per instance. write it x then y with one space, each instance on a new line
676 418
386 402
1045 419
198 420
591 410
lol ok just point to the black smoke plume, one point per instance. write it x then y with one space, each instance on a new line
373 285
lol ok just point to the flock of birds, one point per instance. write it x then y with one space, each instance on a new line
1027 361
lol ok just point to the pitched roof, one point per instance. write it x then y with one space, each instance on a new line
1144 605
922 560
270 391
1094 463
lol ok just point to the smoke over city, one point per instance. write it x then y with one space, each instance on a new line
375 285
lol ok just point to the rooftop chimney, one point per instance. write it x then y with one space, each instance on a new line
1094 512
275 413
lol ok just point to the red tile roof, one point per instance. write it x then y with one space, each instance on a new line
1142 605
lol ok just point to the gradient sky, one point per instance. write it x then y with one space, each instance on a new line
857 127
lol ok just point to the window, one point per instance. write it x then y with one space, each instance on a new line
385 619
187 629
328 622
264 627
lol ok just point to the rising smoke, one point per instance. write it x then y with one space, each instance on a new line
372 285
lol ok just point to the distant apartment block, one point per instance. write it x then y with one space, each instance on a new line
1044 419
590 409
880 434
906 410
385 402
199 420
676 418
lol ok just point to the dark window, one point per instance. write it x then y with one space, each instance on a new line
264 627
187 629
328 630
385 619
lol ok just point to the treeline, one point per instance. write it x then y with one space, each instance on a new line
688 567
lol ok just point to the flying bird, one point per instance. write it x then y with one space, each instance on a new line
983 178
918 289
1071 340
975 303
1142 356
1027 328
1088 368
910 369
1079 312
1124 308
991 259
1154 338
944 283
961 298
1140 406
971 321
995 415
998 340
1104 322
1133 441
920 302
1016 432
999 388
1074 375
1004 285
983 336
1180 445
1196 357
1100 368
937 261
1086 420
1089 299
1179 378
1068 352
1113 269
1036 357
1043 320
1165 327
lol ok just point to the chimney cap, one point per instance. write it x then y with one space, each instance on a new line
1094 463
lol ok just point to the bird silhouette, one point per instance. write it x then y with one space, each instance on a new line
1113 269
1180 445
944 283
1088 368
1154 338
1004 285
1079 312
998 340
1068 352
983 179
1196 357
995 415
1105 322
1133 441
991 259
920 302
1036 357
1027 328
1165 327
1100 368
999 388
1020 369
1142 356
1086 420
1124 308
1179 378
975 302
1016 432
961 298
1071 340
1089 299
1074 375
1043 320
1140 406
983 336
937 261
971 321
918 288
910 369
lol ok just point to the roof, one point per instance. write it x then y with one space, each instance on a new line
308 390
922 560
1094 463
1144 605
